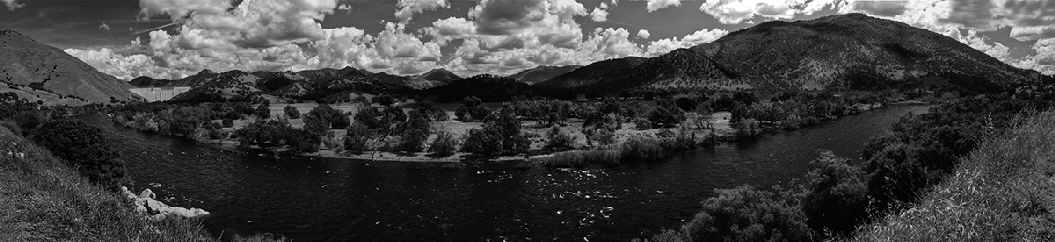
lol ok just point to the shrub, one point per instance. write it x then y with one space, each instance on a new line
227 123
603 137
330 141
642 148
291 112
579 158
748 128
84 147
559 139
836 198
745 214
445 145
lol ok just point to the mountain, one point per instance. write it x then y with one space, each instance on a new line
489 88
591 75
26 62
852 51
542 73
438 75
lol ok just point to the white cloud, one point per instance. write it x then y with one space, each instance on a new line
600 14
737 11
643 33
180 9
347 8
662 46
654 5
12 5
405 9
104 26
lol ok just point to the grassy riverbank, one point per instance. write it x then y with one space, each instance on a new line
1005 191
42 198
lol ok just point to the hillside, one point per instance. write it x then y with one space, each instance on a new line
26 62
851 51
441 76
489 88
1002 192
44 199
541 73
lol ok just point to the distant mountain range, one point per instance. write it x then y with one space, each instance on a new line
36 71
838 52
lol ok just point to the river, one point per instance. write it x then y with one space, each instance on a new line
325 199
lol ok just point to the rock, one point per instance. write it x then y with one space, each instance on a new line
145 203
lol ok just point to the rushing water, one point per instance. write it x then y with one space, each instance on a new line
323 199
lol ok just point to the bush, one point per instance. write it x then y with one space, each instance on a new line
747 214
227 123
483 142
837 197
559 139
445 145
84 147
291 112
642 148
602 137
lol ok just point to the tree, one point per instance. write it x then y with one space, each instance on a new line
749 214
291 112
357 138
430 110
500 136
315 125
372 118
559 139
666 115
471 109
262 111
384 100
444 145
84 147
836 195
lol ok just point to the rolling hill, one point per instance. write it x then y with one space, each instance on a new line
542 73
852 51
46 69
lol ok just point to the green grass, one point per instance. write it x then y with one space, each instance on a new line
1004 191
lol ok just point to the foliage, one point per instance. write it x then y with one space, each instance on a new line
384 99
372 118
500 136
444 145
748 214
430 111
836 196
262 111
330 116
472 109
642 148
291 112
357 137
227 123
559 139
412 140
276 135
84 147
666 115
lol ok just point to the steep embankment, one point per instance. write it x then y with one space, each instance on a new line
26 62
1005 191
43 199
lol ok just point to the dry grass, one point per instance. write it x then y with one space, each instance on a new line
42 199
1005 191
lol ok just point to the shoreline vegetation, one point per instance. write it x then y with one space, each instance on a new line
968 166
551 133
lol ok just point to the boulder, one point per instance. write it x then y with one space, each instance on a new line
146 204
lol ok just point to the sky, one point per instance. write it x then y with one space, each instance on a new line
177 38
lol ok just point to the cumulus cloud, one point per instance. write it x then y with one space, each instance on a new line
12 5
643 33
662 46
347 8
405 9
104 26
600 14
180 9
654 5
737 11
